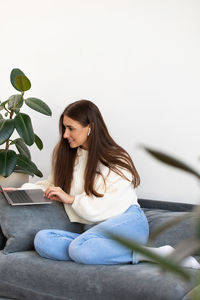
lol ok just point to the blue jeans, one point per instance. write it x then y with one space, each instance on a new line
95 246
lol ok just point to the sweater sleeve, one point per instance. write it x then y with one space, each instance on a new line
44 184
119 194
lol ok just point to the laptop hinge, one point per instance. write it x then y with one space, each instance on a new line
5 195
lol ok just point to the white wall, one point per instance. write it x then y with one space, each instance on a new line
137 60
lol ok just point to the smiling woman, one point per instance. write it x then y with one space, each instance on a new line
82 127
95 178
75 133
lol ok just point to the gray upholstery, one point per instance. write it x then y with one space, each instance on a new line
19 224
165 205
25 275
28 276
175 234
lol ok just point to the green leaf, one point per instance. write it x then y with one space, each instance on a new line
1 117
14 141
24 128
39 106
15 101
185 249
38 142
28 165
14 73
6 129
196 212
3 104
169 160
16 110
17 169
22 148
22 83
164 262
8 160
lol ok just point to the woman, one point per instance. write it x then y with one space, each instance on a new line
95 179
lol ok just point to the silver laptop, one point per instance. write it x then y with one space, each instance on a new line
25 197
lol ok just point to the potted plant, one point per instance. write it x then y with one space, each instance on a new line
15 156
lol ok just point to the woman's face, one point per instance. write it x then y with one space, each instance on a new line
75 133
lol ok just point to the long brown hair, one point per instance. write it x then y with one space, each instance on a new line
102 148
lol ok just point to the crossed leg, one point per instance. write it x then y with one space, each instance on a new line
95 246
54 244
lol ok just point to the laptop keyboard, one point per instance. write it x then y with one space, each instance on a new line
20 197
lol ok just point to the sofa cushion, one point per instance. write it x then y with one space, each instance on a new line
28 276
173 235
19 224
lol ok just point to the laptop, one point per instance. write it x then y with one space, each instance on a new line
25 197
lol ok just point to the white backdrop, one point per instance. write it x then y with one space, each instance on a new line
137 60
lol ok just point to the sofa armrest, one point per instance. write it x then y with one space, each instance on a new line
165 205
161 212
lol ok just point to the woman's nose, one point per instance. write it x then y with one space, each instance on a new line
66 133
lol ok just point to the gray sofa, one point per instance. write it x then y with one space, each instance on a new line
25 275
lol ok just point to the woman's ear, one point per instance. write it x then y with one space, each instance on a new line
89 130
91 127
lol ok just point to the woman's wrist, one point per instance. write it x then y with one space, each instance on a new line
70 199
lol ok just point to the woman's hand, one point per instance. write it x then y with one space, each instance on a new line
57 194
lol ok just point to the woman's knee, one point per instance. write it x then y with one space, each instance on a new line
45 239
80 251
40 237
53 243
40 242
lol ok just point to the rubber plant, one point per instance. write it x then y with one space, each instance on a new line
14 152
183 249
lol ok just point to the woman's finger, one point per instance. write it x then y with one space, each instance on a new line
54 198
50 189
47 191
54 195
9 189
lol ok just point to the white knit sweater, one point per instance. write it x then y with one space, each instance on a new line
119 193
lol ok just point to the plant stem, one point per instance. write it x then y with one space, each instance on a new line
6 109
7 144
22 95
11 115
